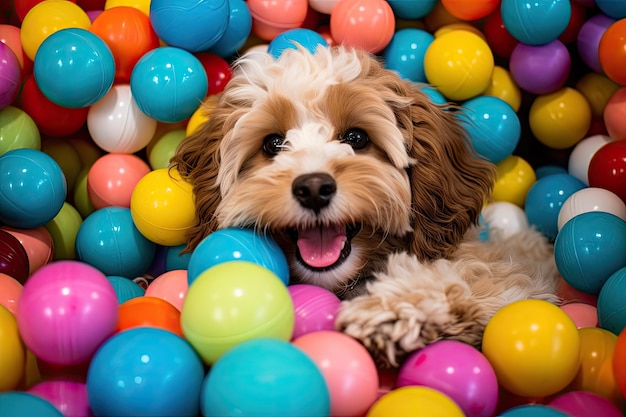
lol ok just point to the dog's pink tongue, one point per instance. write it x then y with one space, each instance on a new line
321 246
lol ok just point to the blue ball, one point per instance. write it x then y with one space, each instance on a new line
532 410
545 170
589 248
545 199
145 372
405 53
20 404
74 68
265 377
237 32
175 260
493 126
612 8
535 22
238 244
290 39
32 188
109 241
168 84
193 25
434 95
125 288
611 306
411 9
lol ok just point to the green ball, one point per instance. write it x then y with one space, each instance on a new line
63 229
161 150
233 302
66 156
17 130
82 203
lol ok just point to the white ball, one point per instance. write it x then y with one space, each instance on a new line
579 159
591 199
323 6
505 217
117 125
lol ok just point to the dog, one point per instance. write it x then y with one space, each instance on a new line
372 191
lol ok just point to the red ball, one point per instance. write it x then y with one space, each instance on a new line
607 168
578 17
498 38
22 7
218 71
13 257
470 9
147 311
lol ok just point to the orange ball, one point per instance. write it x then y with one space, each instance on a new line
612 52
619 362
367 24
470 9
147 311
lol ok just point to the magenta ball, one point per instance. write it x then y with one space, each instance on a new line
315 308
456 369
540 69
69 397
588 40
65 312
10 75
585 404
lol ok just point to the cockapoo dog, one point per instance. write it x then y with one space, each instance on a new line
371 190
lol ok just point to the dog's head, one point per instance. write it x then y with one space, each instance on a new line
339 159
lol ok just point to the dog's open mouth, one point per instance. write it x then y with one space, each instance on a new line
322 248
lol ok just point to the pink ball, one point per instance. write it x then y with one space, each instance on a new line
348 369
69 397
614 114
315 308
65 312
366 24
456 369
10 75
582 314
585 404
10 291
170 286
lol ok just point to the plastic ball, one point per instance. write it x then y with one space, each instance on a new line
458 26
125 289
233 302
162 148
582 314
493 127
237 32
366 24
10 35
13 257
415 401
265 377
168 83
63 228
611 52
536 22
533 410
32 188
403 9
128 33
613 114
174 259
598 90
218 71
112 179
611 311
619 362
577 19
294 39
149 311
591 199
515 176
405 53
66 310
10 75
545 199
66 156
11 291
326 6
584 404
315 308
18 404
567 293
607 168
580 156
503 219
587 249
142 5
588 40
171 286
434 95
470 10
145 372
497 35
459 64
47 18
12 352
109 240
551 60
117 124
38 245
69 397
17 130
533 346
457 370
503 86
616 10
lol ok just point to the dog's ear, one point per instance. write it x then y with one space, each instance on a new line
197 160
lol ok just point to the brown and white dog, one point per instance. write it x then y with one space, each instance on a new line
371 190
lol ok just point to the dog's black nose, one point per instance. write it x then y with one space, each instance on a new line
314 191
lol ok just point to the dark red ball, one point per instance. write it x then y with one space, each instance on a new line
13 257
607 168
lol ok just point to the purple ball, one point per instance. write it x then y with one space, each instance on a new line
69 397
315 308
10 75
585 404
540 69
588 40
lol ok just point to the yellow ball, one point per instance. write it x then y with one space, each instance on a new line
162 206
143 5
504 87
459 64
458 26
48 17
12 352
534 348
561 119
597 89
415 401
515 176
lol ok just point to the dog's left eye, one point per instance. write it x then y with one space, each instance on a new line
272 144
357 138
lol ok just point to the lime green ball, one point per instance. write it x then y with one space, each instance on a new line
66 156
234 302
63 229
163 148
82 203
17 130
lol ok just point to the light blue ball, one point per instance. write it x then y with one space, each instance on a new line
493 126
265 377
292 38
168 84
611 306
32 188
74 68
532 410
434 95
125 288
238 244
535 22
545 170
589 248
20 404
411 9
545 199
174 259
109 241
405 53
237 32
615 9
145 372
193 25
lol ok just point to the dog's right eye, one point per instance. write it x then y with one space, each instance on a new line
272 144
